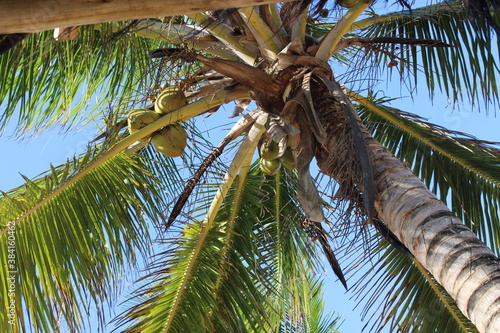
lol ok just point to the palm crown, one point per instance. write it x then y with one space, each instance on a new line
239 240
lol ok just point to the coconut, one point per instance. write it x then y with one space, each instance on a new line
269 167
287 159
139 118
269 150
171 140
170 99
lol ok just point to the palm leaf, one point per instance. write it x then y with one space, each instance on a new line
85 235
65 83
197 245
201 300
466 73
249 262
308 316
400 294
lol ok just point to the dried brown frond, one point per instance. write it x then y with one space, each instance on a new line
338 157
482 10
125 29
10 41
315 231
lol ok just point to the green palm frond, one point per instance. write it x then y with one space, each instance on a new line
413 300
199 298
249 262
456 167
309 316
47 82
200 251
294 258
197 272
73 249
467 72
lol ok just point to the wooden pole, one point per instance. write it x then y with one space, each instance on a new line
26 16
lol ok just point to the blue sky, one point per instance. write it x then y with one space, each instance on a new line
33 156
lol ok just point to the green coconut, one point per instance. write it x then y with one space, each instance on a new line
347 3
170 99
171 140
269 167
139 118
287 159
269 150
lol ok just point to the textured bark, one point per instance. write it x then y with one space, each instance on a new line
460 262
18 16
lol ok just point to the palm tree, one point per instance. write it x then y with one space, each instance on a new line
242 238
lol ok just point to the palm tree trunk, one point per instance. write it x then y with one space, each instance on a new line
451 252
461 263
39 15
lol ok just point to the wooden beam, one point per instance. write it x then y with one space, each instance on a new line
25 16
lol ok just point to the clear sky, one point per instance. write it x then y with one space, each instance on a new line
33 156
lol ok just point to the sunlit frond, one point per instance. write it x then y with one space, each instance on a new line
68 83
72 250
466 73
399 294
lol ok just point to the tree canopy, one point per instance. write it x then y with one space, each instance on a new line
237 246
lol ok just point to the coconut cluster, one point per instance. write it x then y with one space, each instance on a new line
170 140
270 159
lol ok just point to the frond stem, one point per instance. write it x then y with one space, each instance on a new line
329 43
182 114
279 222
430 279
274 11
299 26
372 20
246 148
387 115
433 8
